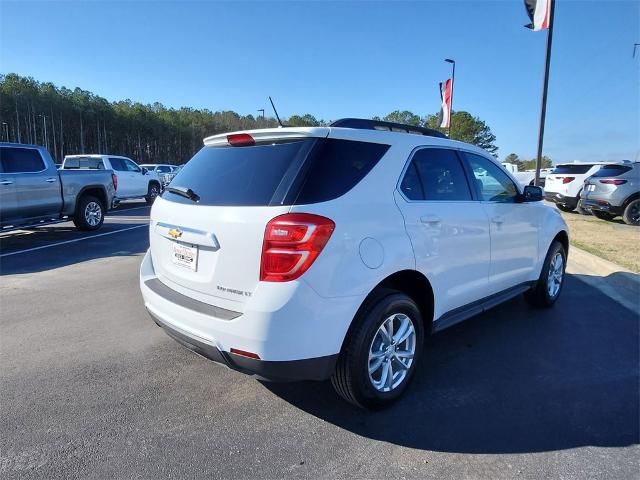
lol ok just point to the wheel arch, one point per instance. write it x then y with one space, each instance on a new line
97 191
410 282
629 199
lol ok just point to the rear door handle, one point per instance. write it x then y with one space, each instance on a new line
51 180
498 219
6 182
430 219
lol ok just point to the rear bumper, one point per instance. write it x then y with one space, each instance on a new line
319 368
298 339
561 199
601 205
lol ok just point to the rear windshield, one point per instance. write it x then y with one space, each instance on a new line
84 162
611 171
576 168
292 172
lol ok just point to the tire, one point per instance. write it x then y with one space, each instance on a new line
152 192
564 208
352 378
603 215
541 294
89 214
631 215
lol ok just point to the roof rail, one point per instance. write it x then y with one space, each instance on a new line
366 124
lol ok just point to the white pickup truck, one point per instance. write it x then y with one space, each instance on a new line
133 180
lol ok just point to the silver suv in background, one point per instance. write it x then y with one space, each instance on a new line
614 190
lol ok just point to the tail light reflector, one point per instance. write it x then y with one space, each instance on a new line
242 353
566 180
291 244
613 182
114 179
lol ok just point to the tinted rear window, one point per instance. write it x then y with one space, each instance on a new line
577 168
611 171
292 172
84 162
20 160
240 176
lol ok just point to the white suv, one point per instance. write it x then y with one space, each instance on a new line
563 186
132 180
316 253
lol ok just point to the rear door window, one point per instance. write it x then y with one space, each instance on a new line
436 174
21 160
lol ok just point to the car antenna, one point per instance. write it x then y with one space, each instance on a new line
276 112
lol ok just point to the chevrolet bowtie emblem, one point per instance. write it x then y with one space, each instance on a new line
175 233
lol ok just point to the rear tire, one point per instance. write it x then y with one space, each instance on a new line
152 192
603 215
631 215
548 287
89 214
375 368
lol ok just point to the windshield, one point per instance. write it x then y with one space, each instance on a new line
611 171
573 168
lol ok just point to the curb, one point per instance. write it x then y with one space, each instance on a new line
615 281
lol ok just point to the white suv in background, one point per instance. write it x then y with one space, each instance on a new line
563 186
315 253
133 181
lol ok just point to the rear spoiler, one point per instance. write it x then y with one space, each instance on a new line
251 137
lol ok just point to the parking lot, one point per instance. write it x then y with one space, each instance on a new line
91 388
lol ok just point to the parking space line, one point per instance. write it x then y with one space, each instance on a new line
71 241
122 210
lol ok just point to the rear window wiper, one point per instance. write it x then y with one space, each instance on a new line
184 192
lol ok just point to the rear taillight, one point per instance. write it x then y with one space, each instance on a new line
114 179
291 244
566 180
613 182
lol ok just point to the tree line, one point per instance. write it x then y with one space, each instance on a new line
75 121
527 164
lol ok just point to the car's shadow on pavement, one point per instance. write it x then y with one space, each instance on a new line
511 380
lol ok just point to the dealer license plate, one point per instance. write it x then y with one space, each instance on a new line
185 255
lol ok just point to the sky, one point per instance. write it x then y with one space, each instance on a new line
351 59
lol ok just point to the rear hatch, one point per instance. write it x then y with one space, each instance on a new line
604 181
563 176
207 228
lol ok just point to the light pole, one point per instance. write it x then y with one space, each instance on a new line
453 80
6 130
261 110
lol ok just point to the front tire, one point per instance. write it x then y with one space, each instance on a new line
152 192
631 215
89 214
548 287
381 353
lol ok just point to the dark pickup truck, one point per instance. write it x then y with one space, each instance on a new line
34 192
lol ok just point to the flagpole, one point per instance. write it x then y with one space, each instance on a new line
543 109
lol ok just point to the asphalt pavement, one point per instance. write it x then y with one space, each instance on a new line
91 388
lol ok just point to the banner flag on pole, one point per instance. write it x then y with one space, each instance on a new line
444 117
538 11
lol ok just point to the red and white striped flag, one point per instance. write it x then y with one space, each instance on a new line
538 11
444 118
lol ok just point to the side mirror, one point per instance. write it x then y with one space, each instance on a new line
533 193
144 170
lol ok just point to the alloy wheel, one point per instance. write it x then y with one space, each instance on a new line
556 274
392 352
93 213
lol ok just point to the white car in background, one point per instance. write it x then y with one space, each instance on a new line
527 177
564 185
133 181
331 252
